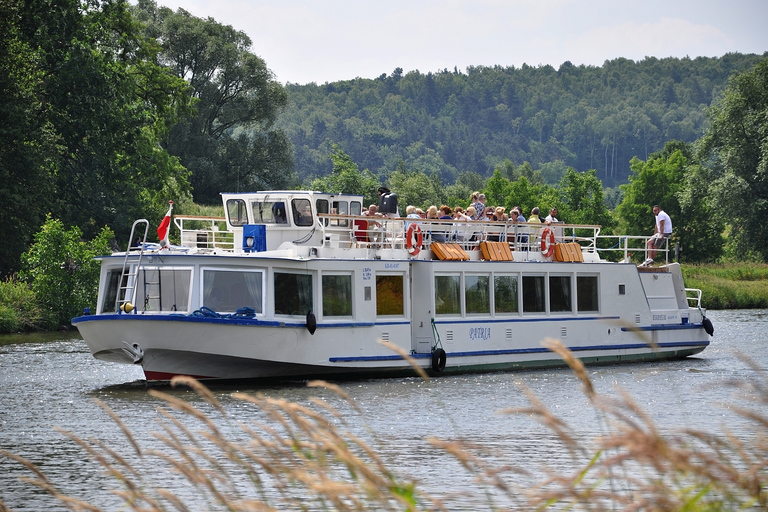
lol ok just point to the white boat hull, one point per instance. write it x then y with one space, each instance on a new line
222 349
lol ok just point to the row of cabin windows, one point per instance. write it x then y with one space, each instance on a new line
299 209
479 292
226 291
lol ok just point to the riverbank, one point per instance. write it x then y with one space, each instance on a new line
729 285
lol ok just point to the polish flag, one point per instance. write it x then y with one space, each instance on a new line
164 229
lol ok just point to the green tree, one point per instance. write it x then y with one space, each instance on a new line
27 142
346 178
582 200
734 156
90 105
230 141
62 271
664 180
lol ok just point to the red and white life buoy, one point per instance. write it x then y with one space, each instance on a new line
547 242
413 239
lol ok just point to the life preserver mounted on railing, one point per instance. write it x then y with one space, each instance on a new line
547 242
414 239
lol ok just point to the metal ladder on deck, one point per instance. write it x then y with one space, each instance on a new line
131 264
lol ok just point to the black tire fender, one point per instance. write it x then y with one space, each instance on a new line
439 359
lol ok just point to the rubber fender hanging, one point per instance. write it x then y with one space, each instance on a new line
311 322
708 327
438 360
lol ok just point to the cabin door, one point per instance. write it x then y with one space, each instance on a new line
421 306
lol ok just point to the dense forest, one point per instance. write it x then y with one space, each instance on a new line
451 122
112 109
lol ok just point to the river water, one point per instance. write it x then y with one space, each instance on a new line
50 380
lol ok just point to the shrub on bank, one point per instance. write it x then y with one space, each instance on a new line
20 310
61 270
729 285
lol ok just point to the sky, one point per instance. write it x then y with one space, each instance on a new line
304 41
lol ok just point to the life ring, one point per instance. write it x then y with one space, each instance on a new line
547 242
438 360
414 239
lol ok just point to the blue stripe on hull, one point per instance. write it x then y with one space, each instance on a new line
535 350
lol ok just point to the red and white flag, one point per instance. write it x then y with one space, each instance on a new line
164 229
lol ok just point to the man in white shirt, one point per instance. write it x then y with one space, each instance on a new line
661 232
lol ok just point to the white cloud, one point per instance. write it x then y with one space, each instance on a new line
306 41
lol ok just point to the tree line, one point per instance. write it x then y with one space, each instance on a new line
452 122
112 109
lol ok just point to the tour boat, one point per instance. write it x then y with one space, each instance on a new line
294 285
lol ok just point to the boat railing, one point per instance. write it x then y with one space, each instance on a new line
693 294
388 232
629 246
205 232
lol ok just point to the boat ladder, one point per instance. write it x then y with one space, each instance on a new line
131 265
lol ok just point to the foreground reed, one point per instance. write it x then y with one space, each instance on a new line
306 457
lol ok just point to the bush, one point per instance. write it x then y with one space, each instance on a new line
19 310
61 270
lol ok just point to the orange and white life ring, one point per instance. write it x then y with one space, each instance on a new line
547 242
414 239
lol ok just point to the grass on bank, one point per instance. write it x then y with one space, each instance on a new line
729 285
306 457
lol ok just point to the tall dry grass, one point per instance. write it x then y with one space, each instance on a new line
305 457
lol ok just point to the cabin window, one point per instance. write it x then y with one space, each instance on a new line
586 293
109 303
533 294
390 297
302 212
355 208
337 295
163 290
340 208
505 294
447 299
477 295
560 294
293 294
236 212
229 290
321 206
269 212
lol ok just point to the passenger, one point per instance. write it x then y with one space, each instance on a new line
471 213
432 212
479 204
388 203
410 211
534 218
517 217
552 217
661 232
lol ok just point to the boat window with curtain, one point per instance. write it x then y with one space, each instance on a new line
161 290
226 291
